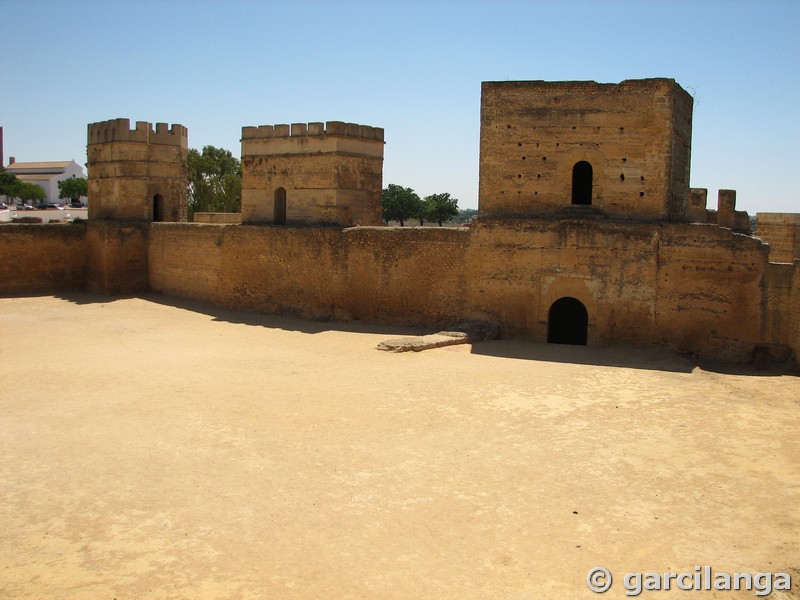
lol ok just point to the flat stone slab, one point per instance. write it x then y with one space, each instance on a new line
463 333
424 342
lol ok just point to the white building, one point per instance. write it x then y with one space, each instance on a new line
46 175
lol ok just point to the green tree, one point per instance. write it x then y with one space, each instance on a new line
399 203
73 188
215 181
29 192
465 215
8 184
440 207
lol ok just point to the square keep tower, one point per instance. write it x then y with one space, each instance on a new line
312 173
551 149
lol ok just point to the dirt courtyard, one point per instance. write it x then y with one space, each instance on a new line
156 448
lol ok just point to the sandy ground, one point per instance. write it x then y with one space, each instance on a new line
151 448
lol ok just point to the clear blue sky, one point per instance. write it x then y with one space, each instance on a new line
413 68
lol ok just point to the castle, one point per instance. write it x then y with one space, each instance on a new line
588 231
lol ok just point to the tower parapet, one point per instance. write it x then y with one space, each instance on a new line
119 130
315 129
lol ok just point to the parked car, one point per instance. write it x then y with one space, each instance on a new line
3 206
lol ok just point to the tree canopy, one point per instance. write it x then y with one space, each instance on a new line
8 184
399 203
29 192
73 188
215 181
12 187
440 207
465 215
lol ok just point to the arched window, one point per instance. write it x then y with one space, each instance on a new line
567 322
582 183
158 207
279 217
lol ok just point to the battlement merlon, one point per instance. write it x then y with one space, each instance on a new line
119 130
316 129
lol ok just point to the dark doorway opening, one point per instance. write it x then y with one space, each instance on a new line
567 322
279 217
158 207
582 183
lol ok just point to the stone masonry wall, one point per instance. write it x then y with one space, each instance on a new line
373 274
42 258
696 288
794 314
186 260
782 232
117 257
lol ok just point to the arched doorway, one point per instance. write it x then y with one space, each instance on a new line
279 217
158 207
582 183
567 322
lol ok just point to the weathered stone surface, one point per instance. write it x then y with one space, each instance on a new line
698 288
42 258
476 331
782 232
117 261
466 332
423 342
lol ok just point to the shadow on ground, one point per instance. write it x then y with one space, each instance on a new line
654 359
244 317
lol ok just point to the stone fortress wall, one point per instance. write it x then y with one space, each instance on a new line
695 288
640 256
782 232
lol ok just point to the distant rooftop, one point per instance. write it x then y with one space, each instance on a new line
40 167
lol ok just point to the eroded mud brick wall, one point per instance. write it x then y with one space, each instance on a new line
42 258
782 232
312 173
624 148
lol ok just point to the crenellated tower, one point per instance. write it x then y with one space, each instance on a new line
312 173
137 174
